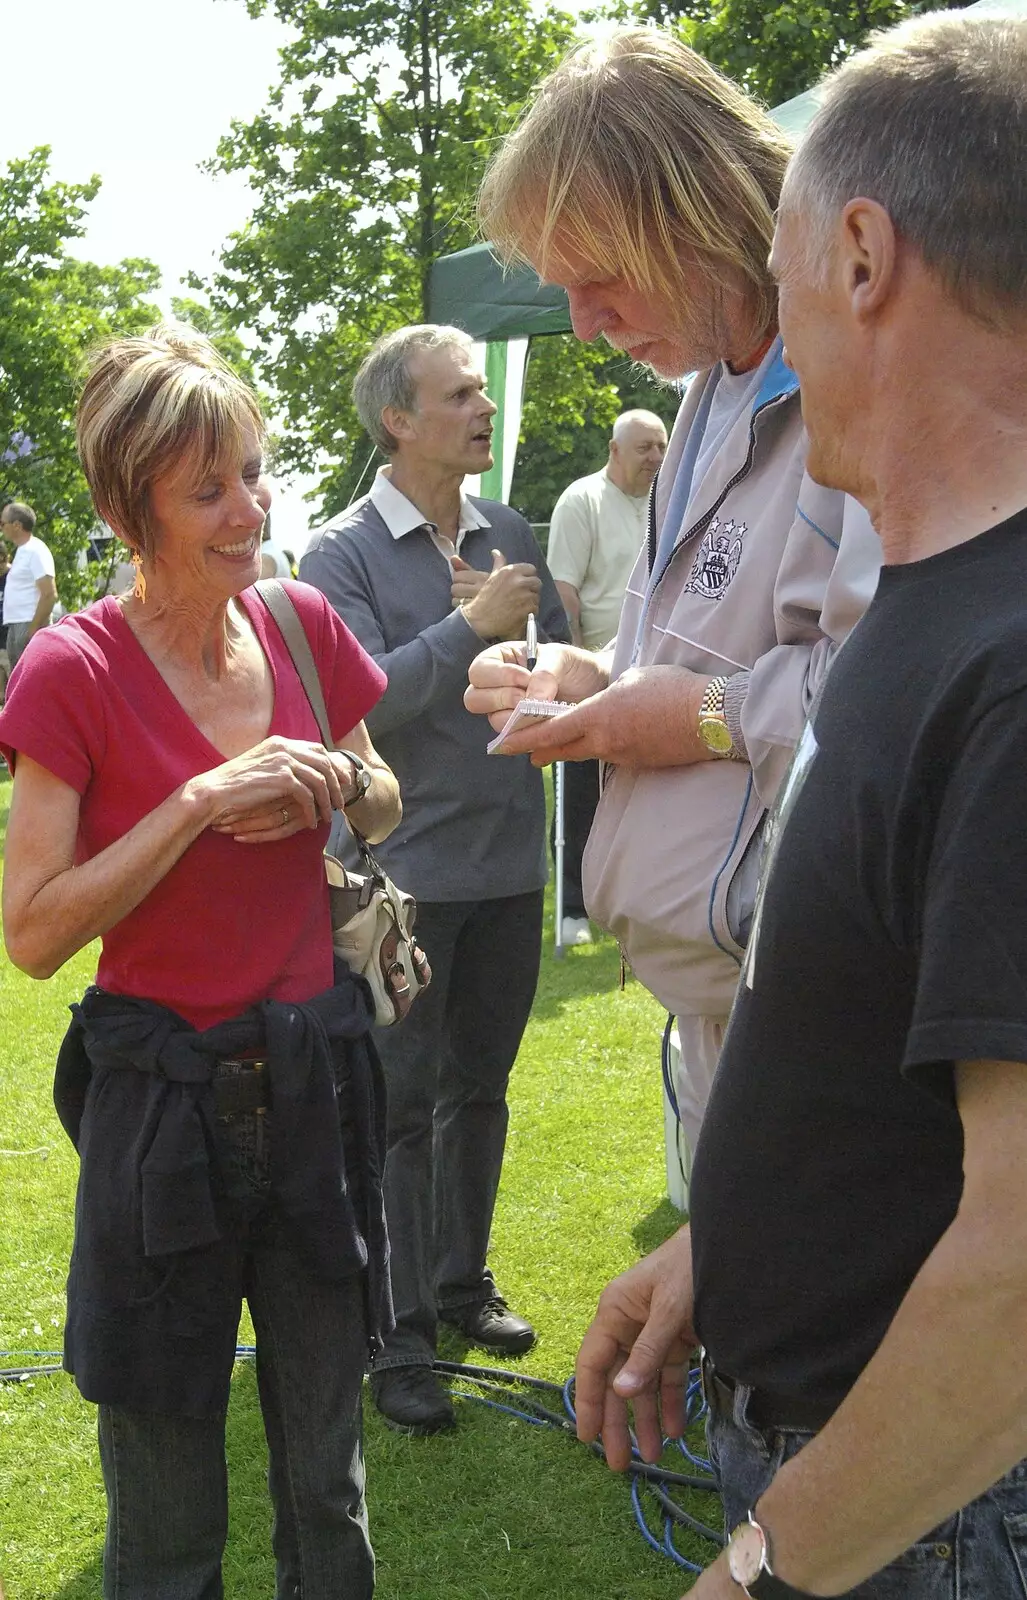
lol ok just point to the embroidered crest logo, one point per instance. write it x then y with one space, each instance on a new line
717 559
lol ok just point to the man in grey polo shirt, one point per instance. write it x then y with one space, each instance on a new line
423 575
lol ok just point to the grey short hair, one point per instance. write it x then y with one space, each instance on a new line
384 377
931 122
648 419
23 515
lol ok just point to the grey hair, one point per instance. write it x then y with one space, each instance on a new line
648 419
384 377
931 122
23 515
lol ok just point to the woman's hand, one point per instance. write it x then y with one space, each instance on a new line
500 680
276 789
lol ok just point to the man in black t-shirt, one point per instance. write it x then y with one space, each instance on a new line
856 1265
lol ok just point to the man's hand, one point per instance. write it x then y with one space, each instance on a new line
647 718
499 607
467 580
500 680
637 1351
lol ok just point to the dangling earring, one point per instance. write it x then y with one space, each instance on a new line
139 587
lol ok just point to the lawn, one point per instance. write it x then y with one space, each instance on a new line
496 1509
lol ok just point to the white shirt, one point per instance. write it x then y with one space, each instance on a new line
594 538
401 516
32 561
282 568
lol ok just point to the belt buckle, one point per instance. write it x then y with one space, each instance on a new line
240 1066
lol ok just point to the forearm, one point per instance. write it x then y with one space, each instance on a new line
41 615
939 1414
651 719
379 811
571 601
433 664
79 903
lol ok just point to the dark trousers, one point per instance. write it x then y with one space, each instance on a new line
446 1070
165 1476
580 798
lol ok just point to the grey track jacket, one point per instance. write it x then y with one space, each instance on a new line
764 583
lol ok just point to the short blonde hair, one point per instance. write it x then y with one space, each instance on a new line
643 158
148 404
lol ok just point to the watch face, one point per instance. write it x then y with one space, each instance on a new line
715 735
745 1553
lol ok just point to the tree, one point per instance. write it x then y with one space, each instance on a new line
53 309
778 51
363 170
573 394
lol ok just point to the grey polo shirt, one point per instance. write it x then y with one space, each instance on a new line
473 825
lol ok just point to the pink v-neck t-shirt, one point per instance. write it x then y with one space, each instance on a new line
230 923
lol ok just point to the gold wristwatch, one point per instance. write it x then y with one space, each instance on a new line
713 729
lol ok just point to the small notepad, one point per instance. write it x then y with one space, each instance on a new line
527 711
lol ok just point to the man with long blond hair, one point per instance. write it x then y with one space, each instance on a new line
646 184
855 1266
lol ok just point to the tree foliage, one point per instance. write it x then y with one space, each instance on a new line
53 309
573 394
363 169
779 51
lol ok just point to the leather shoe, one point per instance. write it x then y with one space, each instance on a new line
412 1400
494 1326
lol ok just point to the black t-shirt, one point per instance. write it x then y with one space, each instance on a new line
890 942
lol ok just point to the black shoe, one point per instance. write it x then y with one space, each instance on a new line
493 1325
412 1400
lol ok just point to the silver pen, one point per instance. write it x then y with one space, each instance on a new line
531 641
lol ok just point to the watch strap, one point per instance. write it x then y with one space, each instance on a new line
362 774
712 702
769 1587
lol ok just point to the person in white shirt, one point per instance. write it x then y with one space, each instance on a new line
597 530
273 562
30 592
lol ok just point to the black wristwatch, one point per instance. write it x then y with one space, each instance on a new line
362 777
748 1561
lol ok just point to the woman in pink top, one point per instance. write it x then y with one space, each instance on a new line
172 798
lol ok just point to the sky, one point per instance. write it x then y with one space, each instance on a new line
140 91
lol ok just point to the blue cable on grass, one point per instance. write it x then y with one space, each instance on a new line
656 1479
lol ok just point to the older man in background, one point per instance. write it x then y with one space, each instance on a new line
424 575
597 529
856 1266
30 592
646 184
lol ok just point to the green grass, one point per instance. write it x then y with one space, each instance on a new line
496 1509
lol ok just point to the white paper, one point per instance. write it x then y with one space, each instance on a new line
525 712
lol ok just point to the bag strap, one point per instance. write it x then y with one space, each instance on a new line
276 597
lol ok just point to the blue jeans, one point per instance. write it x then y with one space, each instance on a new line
978 1554
446 1069
165 1475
